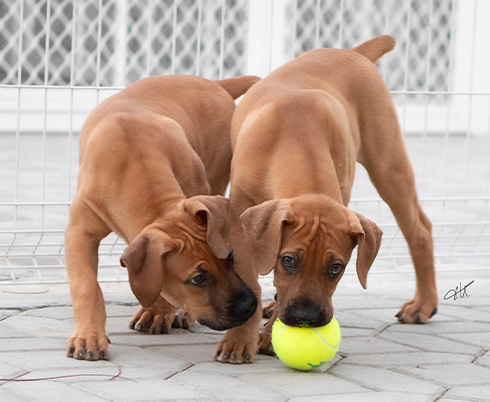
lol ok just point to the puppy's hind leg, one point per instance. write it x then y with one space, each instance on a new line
390 171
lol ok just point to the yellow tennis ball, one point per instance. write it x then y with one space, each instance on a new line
305 348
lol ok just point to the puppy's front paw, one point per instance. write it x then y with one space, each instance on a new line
88 346
156 319
265 336
236 347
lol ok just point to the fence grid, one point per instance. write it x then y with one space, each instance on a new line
60 58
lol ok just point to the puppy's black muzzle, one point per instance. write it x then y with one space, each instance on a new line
237 311
305 314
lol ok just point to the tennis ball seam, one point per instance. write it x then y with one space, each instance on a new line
280 329
323 340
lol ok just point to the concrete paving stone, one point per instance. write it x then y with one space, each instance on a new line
58 312
192 353
118 310
477 393
203 361
141 390
202 329
6 331
443 328
161 372
393 360
34 296
365 298
348 332
349 319
115 326
294 383
380 379
479 339
465 313
224 387
29 344
429 343
9 371
136 363
476 300
130 356
6 395
369 346
118 293
39 326
484 360
453 400
98 373
176 337
110 372
47 360
49 391
373 396
387 315
451 375
8 313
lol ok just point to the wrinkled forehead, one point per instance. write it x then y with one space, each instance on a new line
326 229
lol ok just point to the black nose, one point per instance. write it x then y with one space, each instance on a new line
305 314
243 305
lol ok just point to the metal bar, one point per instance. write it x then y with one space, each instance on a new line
199 27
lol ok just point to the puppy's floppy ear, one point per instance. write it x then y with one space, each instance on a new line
213 212
262 226
368 236
143 259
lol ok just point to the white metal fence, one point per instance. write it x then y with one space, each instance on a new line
438 75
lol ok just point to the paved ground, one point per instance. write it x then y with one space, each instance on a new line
378 360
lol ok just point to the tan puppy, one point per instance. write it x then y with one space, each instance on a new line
296 136
150 158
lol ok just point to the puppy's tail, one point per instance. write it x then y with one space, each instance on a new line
237 86
375 48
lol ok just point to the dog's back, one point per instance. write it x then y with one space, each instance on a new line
186 100
350 76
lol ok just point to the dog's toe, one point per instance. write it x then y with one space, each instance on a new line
80 355
221 357
70 351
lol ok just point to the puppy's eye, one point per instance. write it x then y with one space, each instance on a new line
336 268
198 280
288 263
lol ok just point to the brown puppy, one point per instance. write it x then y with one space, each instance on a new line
150 158
296 136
